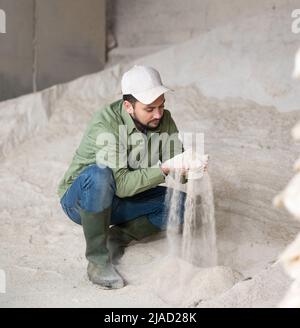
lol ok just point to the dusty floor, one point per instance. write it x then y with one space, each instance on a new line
42 251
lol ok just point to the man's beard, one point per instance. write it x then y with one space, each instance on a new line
142 126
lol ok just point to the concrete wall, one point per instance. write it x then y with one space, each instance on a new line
140 23
16 51
70 39
49 42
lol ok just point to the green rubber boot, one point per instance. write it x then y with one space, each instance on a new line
122 234
100 270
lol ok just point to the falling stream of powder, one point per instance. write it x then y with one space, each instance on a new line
192 252
198 242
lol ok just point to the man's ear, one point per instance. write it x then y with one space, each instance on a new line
128 107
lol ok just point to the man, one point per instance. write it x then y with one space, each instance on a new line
114 176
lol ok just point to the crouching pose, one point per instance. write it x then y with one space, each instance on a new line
112 185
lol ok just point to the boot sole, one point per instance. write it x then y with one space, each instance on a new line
106 286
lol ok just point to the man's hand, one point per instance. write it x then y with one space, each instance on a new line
167 170
182 165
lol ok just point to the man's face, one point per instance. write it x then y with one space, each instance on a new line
147 115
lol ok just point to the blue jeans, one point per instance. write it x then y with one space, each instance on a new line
94 191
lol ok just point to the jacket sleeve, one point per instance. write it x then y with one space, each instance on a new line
129 183
111 152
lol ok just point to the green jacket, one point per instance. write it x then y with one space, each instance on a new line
112 139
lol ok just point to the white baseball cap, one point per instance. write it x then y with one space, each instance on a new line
144 83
